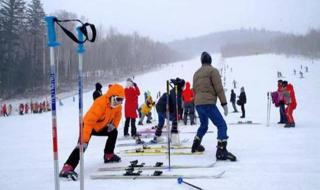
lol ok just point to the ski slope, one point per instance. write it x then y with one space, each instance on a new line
271 157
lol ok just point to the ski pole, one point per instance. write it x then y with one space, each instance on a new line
80 51
52 43
180 180
168 126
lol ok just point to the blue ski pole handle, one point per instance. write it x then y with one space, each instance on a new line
81 48
51 31
180 180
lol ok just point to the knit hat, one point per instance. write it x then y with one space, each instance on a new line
205 58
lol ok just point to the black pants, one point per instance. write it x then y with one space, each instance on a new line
188 110
133 126
74 157
243 110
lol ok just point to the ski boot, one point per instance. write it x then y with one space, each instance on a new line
111 157
222 152
148 121
156 139
140 123
68 172
196 146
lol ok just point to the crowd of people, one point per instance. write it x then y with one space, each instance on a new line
103 117
25 108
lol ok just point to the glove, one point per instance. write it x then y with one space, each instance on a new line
110 127
225 109
135 84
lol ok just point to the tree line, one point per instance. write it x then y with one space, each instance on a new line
287 44
24 55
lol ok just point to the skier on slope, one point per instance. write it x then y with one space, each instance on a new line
102 119
207 87
130 107
97 93
161 109
188 104
283 118
290 102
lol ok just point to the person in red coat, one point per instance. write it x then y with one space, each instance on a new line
188 104
130 107
291 104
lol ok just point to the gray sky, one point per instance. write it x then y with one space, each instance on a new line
166 20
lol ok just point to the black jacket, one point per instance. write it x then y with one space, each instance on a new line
96 94
233 97
243 98
162 102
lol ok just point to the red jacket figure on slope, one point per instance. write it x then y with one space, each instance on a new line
130 107
290 102
188 104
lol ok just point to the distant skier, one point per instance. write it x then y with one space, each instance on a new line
97 93
290 102
21 109
9 109
102 119
4 110
188 104
130 107
301 74
242 101
294 72
233 97
207 87
234 82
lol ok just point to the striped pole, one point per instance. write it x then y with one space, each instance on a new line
52 43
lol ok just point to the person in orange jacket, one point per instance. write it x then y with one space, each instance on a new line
291 104
102 119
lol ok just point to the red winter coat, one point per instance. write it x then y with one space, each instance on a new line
131 103
292 96
187 94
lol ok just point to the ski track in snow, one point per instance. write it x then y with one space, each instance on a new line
268 157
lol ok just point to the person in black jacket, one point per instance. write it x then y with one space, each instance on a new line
161 108
233 101
242 100
97 93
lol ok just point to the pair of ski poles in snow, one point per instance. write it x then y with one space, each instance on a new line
52 43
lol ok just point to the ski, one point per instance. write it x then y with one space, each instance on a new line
158 165
155 175
147 143
152 131
159 153
245 123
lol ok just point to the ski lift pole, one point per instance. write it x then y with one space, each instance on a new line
268 109
80 51
168 126
52 43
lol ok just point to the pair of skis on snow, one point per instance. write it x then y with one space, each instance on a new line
140 171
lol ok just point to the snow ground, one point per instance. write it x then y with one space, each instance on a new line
268 157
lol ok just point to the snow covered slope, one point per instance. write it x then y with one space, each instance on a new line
268 157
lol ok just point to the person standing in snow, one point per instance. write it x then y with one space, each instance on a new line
188 104
161 108
242 101
102 119
207 87
4 110
130 107
97 93
233 97
290 102
283 118
145 110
